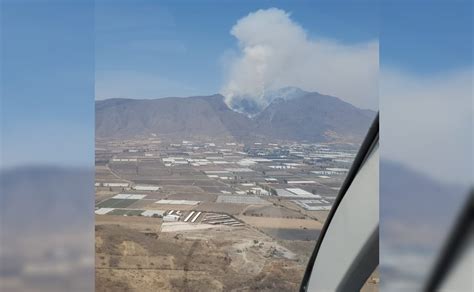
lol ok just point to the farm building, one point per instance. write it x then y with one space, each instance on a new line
171 218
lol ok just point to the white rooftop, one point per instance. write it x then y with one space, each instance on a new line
177 202
150 213
129 196
103 211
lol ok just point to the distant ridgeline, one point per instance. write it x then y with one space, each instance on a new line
301 116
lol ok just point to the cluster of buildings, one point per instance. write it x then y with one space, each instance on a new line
303 174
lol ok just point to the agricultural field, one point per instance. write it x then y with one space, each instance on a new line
191 214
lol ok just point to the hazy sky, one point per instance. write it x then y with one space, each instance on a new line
426 82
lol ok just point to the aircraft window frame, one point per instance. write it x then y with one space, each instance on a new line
361 266
453 247
364 152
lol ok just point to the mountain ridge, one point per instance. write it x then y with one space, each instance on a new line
309 117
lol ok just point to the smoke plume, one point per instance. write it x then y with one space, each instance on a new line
276 52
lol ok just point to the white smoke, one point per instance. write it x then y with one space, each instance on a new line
276 52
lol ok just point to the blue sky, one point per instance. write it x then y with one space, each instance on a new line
47 83
426 37
184 42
